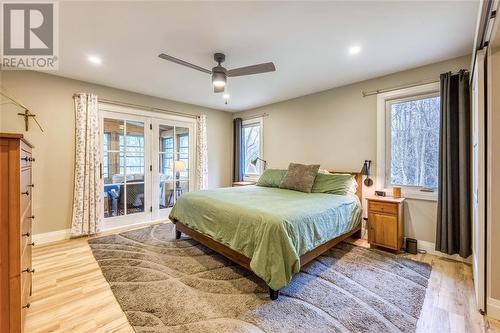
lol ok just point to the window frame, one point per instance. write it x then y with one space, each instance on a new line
384 100
249 123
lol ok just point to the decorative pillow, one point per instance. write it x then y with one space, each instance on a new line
334 183
271 178
300 177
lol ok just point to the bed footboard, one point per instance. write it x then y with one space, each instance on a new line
244 261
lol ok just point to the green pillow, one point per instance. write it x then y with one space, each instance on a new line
341 184
271 177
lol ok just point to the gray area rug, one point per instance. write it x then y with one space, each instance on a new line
168 285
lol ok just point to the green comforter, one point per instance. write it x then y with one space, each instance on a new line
273 227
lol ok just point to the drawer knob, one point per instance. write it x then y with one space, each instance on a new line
27 234
25 158
31 185
26 193
32 217
27 306
32 244
32 159
29 270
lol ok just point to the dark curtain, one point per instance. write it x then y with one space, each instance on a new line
238 150
454 209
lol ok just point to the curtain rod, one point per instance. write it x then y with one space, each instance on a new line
380 91
147 108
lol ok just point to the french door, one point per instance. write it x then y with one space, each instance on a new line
147 164
173 168
479 182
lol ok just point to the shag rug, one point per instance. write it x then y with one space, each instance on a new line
168 285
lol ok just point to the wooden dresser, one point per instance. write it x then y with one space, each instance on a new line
386 222
15 230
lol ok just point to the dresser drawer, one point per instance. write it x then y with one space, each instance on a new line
26 256
26 158
26 225
25 296
383 207
26 237
26 189
26 287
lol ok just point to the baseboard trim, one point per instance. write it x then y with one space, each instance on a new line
51 237
430 248
493 308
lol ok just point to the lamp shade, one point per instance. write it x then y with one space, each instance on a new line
255 160
366 168
366 172
179 166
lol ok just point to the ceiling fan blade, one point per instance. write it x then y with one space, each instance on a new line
254 69
218 89
183 63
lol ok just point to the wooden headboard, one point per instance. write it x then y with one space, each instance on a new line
359 180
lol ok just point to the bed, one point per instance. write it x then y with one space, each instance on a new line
270 231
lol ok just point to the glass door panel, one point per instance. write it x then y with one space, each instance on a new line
174 162
181 163
124 160
113 153
166 166
133 166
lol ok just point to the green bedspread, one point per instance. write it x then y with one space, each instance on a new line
273 227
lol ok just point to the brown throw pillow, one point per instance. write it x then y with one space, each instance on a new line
300 177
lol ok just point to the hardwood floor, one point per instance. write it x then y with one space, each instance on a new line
70 294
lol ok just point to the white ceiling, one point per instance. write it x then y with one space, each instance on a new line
307 41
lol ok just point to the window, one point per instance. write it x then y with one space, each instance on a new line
252 148
183 149
135 154
167 153
409 140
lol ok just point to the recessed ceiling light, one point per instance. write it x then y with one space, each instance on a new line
94 60
226 96
355 49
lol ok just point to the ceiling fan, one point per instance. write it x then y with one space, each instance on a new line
219 73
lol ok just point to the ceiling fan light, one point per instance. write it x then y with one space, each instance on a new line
219 79
219 84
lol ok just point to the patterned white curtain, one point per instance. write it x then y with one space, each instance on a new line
87 200
201 153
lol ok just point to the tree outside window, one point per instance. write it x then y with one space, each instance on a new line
251 144
414 137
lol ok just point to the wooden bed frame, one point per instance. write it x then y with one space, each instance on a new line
245 262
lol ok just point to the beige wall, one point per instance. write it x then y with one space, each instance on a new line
337 128
50 97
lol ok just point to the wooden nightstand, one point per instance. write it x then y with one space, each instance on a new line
243 183
386 222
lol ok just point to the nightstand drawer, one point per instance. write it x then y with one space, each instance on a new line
383 207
